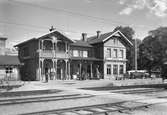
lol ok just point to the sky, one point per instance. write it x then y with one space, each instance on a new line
21 20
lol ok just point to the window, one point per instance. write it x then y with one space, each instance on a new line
121 53
115 53
25 52
115 69
9 70
115 41
121 69
108 69
85 53
75 53
108 52
81 53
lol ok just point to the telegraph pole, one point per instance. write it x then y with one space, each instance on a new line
135 54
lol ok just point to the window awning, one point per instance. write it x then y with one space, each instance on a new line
9 61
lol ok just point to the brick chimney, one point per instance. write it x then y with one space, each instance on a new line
98 33
84 36
2 45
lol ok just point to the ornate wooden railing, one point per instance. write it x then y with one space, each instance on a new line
53 54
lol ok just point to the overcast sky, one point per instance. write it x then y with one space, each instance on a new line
24 19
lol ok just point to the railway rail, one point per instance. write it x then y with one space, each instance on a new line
27 93
140 91
101 109
42 99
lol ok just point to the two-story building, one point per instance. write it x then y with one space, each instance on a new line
100 56
111 48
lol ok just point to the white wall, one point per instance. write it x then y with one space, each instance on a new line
114 61
14 76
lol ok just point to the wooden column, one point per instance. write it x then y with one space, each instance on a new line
55 68
42 45
66 75
69 74
39 69
80 67
91 71
66 49
42 69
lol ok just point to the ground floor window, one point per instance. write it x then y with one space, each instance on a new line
121 69
9 70
115 69
108 69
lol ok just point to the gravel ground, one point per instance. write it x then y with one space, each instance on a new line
100 97
33 107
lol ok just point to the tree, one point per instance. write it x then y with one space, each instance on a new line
153 49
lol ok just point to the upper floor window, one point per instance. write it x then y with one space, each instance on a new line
115 53
80 53
75 53
25 52
121 69
121 53
109 52
108 69
115 40
85 53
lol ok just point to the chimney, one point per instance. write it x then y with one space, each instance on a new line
52 29
84 36
98 33
2 45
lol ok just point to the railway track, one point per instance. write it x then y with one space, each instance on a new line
41 99
27 93
154 92
139 91
101 109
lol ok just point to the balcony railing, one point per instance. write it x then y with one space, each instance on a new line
53 54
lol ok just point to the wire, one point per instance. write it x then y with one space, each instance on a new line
39 28
109 21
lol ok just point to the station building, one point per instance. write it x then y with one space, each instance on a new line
102 56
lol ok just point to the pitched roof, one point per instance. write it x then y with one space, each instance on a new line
9 60
81 43
104 37
44 36
94 40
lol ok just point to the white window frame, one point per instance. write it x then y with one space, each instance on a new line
75 53
108 69
85 53
115 53
108 55
121 53
114 69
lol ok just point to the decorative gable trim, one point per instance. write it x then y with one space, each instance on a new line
116 32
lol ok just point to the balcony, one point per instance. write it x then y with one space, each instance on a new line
53 54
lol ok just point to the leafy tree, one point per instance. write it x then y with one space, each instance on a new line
153 49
